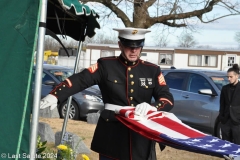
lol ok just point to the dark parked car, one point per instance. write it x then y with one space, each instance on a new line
197 96
87 101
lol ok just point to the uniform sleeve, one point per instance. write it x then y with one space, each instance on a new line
78 82
163 98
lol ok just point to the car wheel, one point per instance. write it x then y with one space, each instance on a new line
73 110
218 130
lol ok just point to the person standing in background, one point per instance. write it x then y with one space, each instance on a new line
229 112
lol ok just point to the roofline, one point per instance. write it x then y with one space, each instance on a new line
206 51
167 50
116 47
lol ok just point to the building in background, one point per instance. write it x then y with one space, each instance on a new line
164 57
171 57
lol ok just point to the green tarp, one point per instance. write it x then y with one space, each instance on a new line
18 38
18 30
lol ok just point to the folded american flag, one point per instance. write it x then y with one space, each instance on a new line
167 129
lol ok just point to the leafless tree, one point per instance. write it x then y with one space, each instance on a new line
186 40
102 38
172 13
237 38
204 46
72 44
51 44
162 41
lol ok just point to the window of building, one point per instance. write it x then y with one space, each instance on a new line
107 53
206 59
202 60
195 60
165 58
231 59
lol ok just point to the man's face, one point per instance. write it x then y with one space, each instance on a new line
130 53
232 77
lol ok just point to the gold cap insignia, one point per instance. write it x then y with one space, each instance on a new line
134 31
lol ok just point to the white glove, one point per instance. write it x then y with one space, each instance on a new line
143 108
49 101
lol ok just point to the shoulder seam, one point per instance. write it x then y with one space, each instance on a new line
108 58
150 64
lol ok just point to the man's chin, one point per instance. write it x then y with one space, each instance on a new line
132 59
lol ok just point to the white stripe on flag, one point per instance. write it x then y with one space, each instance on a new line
158 127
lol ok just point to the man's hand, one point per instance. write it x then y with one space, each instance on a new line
143 108
48 101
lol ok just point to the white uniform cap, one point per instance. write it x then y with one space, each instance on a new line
132 33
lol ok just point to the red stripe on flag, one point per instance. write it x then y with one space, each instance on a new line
143 130
173 125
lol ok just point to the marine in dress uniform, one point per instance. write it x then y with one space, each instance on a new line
229 112
126 83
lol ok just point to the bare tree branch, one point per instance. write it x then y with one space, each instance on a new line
173 13
187 41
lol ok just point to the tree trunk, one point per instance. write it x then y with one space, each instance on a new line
140 15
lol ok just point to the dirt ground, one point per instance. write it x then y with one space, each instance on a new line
85 130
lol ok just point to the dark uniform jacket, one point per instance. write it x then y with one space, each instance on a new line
226 100
121 83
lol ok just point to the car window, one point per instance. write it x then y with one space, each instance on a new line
220 81
197 82
175 80
61 75
46 77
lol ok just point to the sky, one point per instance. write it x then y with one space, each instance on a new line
218 34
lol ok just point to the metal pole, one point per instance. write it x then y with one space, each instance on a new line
38 81
70 98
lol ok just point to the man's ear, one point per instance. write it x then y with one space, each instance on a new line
120 45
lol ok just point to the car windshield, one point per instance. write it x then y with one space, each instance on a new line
220 81
61 75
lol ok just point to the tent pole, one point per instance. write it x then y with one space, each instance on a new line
38 80
70 98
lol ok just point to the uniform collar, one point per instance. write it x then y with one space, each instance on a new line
126 62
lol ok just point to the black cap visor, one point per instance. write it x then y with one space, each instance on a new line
132 43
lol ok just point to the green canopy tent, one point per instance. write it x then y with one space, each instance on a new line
21 25
72 18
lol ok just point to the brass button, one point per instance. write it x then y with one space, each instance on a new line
131 76
132 105
129 68
131 90
159 104
132 83
133 63
156 106
63 85
115 81
131 98
60 89
126 62
106 119
146 86
55 92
